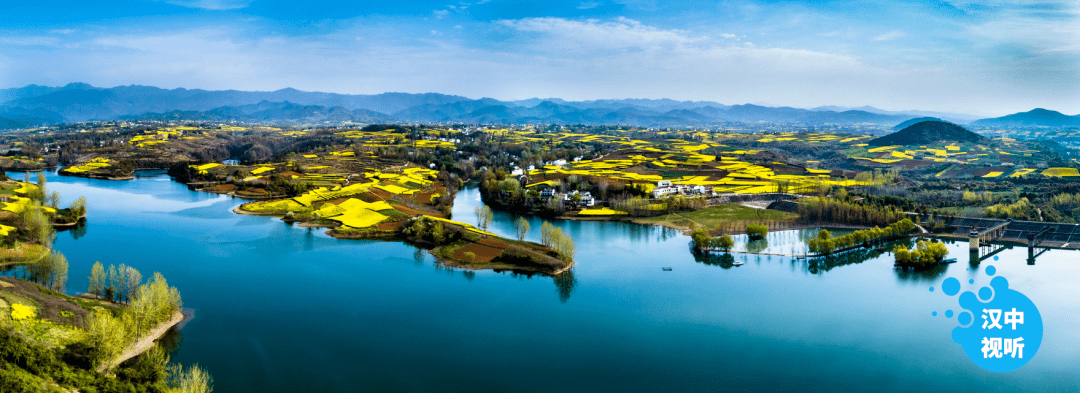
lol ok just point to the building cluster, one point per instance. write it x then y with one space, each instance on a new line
666 187
572 198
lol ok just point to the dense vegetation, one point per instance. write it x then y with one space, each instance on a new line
826 244
929 132
926 253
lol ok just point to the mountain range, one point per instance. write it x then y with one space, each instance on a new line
1037 117
38 105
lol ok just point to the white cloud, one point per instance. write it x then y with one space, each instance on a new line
215 5
620 33
728 35
892 35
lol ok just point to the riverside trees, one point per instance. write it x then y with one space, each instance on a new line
702 240
152 303
825 244
117 284
926 253
554 237
819 209
756 231
522 227
51 271
484 215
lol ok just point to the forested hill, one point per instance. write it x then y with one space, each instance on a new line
929 132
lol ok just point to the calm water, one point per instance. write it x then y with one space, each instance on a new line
285 309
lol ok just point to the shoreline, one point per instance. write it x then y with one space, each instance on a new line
497 267
144 343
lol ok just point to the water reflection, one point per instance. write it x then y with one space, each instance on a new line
77 231
921 275
855 256
564 285
756 246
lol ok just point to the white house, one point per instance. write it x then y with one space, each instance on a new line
661 191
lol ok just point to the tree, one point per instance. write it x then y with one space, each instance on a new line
132 280
756 231
37 224
902 255
118 282
98 280
522 226
194 380
484 216
438 233
78 207
563 244
700 239
58 271
725 243
107 335
53 199
111 283
546 230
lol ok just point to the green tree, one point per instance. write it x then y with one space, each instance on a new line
726 243
78 207
98 280
193 380
522 226
700 239
484 215
107 335
546 230
756 231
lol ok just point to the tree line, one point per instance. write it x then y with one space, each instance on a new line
554 237
109 332
821 210
825 244
116 284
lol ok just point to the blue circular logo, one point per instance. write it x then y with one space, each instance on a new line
1001 329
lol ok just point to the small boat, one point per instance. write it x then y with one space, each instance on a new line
666 269
737 263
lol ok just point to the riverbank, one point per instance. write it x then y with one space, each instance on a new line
144 343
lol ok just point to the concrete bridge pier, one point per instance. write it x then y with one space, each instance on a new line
973 240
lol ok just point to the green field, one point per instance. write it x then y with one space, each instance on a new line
713 216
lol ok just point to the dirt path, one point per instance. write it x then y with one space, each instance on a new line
145 343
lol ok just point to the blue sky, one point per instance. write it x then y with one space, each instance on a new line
981 57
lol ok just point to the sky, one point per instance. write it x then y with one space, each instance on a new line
977 57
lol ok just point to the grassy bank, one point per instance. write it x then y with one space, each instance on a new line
716 217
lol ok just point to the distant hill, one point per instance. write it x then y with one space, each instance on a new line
81 102
1037 117
905 124
958 118
272 112
928 132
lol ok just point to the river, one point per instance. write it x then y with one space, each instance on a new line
279 308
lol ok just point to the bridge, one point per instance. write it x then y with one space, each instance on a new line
1037 236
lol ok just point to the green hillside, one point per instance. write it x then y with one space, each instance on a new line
929 132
